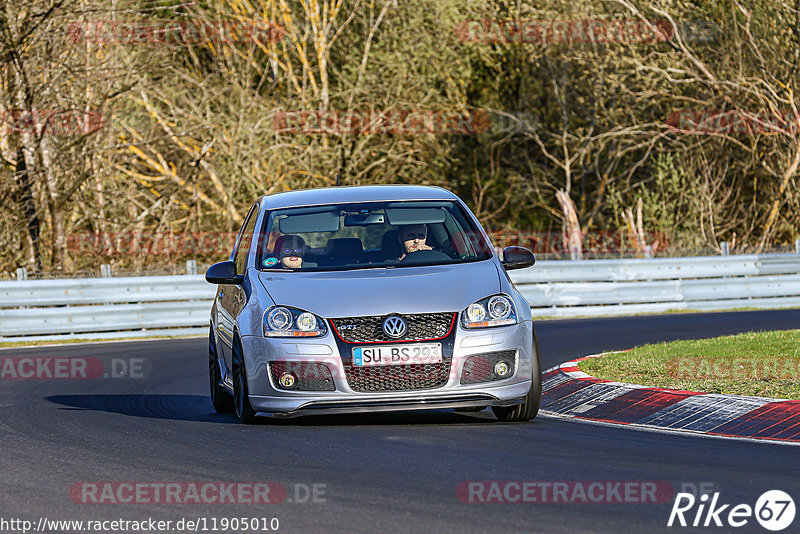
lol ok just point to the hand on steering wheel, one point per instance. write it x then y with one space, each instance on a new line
419 248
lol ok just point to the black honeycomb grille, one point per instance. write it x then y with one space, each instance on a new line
421 326
480 367
310 376
398 377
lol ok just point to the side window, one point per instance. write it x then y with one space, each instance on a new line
243 246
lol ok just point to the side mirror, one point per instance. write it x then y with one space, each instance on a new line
223 272
517 258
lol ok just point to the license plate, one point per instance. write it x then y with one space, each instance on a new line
419 353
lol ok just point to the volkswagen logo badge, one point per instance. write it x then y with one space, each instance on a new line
394 327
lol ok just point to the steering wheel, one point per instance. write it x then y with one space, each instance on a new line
424 256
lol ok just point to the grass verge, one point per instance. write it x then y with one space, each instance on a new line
765 364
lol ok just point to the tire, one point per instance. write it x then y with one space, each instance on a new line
525 411
530 407
241 396
220 399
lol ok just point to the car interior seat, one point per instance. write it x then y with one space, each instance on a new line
390 247
342 251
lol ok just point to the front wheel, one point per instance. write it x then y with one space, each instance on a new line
525 411
241 396
530 407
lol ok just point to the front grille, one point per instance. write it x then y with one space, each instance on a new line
398 377
311 376
353 331
480 367
421 326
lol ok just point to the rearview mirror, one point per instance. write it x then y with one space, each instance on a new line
517 258
223 272
363 218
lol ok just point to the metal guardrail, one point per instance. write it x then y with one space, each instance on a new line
94 308
625 287
99 308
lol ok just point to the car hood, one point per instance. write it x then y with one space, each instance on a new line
424 289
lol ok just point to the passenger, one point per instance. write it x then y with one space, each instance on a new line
290 250
412 238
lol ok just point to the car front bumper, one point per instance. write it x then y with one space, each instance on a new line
266 397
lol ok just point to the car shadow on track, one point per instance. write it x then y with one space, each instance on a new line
175 407
198 408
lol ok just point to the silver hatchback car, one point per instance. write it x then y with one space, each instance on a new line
372 298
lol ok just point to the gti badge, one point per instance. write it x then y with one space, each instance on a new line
394 327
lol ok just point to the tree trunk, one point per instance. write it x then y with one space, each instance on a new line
54 206
28 205
571 228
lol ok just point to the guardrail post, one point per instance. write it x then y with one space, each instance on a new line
797 246
105 271
648 252
191 266
725 248
22 273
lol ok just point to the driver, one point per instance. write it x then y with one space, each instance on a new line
290 250
412 238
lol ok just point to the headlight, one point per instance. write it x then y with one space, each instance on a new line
476 312
306 322
497 310
279 319
500 307
282 321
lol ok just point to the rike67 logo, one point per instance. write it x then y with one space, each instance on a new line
774 510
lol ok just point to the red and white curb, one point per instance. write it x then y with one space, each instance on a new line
569 392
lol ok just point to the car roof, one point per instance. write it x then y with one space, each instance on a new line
357 193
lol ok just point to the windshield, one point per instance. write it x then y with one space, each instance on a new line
370 235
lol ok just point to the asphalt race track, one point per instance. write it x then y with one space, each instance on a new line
385 472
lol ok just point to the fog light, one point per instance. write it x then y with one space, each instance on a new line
502 369
287 380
